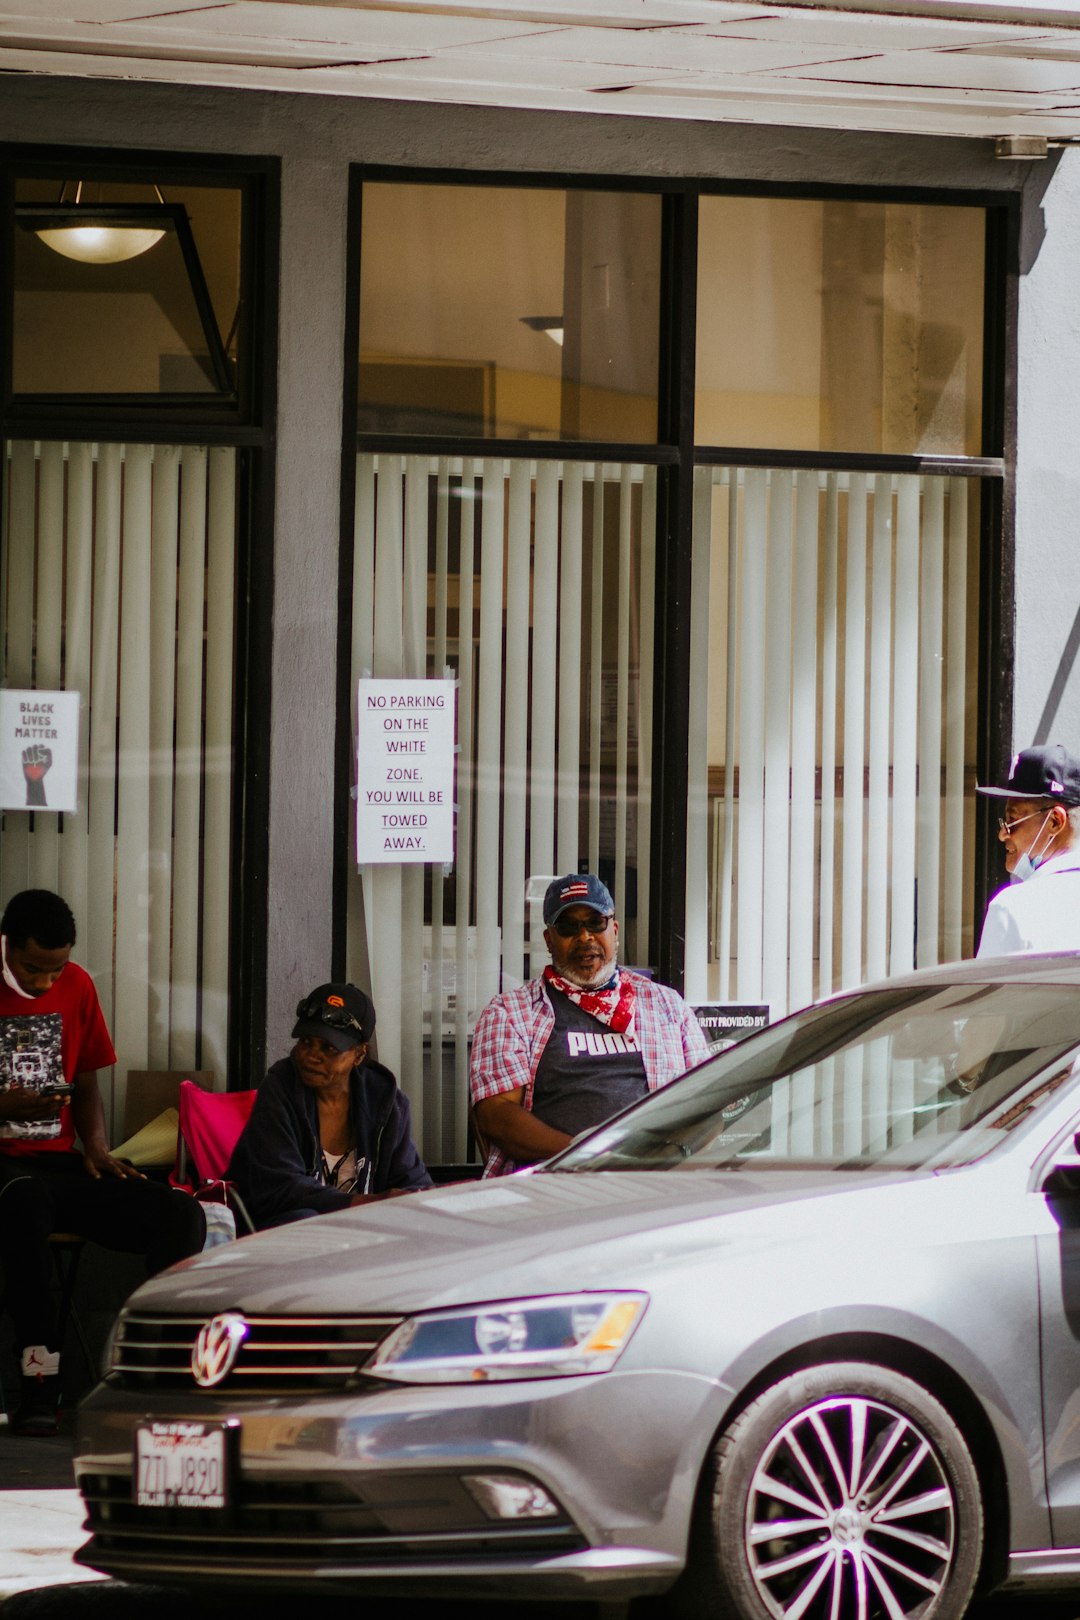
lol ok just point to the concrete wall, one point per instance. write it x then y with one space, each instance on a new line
316 139
1047 584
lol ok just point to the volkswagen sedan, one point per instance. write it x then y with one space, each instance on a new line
798 1336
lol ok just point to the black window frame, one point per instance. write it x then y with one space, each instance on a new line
246 424
677 455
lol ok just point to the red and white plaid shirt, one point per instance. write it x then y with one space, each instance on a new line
513 1030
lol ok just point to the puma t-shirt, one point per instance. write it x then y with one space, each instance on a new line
586 1072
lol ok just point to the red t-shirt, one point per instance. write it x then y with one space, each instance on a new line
47 1041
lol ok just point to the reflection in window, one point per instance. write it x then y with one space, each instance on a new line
163 322
850 326
869 1081
521 314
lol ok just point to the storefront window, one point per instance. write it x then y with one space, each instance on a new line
840 325
161 322
531 584
118 584
833 687
517 314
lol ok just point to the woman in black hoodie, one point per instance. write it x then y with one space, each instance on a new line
330 1128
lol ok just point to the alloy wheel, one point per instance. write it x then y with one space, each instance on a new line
850 1516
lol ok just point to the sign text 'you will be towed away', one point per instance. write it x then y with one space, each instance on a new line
405 771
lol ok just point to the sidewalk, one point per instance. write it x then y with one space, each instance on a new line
41 1515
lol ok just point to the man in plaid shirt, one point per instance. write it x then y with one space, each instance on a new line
566 1051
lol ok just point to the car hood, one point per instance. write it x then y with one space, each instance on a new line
535 1234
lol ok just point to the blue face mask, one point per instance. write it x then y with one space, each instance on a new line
1029 864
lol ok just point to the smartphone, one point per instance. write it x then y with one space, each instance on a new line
62 1092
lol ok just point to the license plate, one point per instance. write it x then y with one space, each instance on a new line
181 1465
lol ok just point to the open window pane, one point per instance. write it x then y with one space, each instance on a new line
161 322
840 325
523 314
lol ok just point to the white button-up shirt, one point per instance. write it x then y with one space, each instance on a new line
1042 914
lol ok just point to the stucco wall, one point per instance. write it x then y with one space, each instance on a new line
1047 575
316 139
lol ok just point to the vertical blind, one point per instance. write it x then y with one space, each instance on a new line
832 674
532 584
118 583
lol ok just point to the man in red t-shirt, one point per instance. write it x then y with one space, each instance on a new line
53 1039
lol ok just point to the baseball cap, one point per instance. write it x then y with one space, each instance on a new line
339 1013
1045 772
577 889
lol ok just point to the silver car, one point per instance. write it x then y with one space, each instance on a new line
797 1336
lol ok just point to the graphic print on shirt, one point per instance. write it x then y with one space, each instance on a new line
30 1057
581 1042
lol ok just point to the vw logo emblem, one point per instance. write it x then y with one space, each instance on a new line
217 1347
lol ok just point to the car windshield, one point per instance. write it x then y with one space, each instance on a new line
911 1078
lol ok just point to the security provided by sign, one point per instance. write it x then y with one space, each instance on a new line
180 1465
39 750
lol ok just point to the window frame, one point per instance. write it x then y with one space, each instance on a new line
677 454
246 424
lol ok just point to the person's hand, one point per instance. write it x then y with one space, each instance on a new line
26 1107
375 1198
98 1162
36 761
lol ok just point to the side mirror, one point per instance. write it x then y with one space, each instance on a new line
1062 1180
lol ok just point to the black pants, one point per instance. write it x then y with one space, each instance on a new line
42 1193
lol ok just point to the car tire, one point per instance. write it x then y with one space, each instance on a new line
912 1526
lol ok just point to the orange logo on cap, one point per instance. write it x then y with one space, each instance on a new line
334 1001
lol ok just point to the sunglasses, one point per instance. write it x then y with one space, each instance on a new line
1006 827
594 923
317 1012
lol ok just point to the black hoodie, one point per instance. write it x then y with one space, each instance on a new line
277 1163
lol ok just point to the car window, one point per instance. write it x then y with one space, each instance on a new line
912 1078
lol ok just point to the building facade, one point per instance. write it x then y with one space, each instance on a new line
726 468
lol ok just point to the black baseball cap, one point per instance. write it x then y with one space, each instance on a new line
339 1013
577 889
1046 772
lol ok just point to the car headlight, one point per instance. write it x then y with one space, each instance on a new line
558 1337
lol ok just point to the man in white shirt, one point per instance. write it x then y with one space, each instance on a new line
1040 829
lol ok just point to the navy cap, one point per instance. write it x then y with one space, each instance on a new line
1045 772
339 1013
577 889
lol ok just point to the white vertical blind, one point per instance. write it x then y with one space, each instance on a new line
844 678
533 580
118 584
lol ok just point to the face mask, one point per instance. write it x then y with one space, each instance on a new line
9 978
1029 864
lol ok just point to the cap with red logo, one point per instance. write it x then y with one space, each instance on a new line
339 1013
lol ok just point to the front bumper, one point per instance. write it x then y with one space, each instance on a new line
363 1490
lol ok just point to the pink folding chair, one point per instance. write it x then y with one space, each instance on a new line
210 1127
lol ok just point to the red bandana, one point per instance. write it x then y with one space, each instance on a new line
613 1006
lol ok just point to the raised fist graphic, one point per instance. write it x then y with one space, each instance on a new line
36 760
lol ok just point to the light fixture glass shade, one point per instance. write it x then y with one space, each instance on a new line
552 326
100 244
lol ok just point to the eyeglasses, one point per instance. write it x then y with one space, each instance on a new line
594 923
1006 827
317 1012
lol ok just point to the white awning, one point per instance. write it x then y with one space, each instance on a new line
940 67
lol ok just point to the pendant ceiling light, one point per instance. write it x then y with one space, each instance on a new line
100 233
552 326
